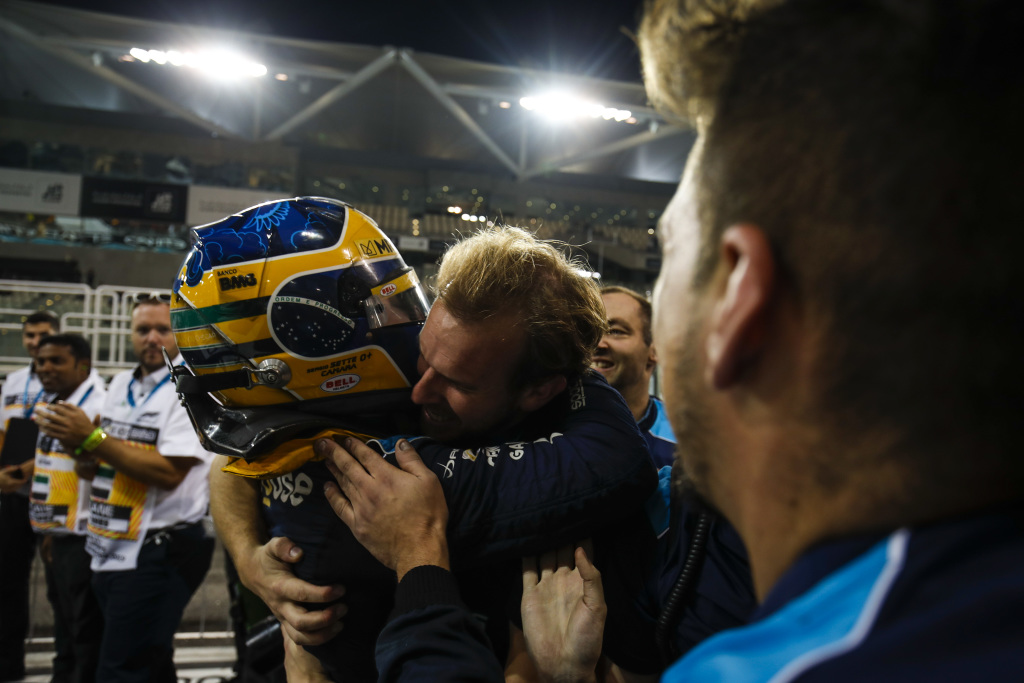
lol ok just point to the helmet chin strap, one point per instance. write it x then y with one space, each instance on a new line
272 373
187 383
247 433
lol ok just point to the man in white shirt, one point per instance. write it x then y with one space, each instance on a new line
18 396
59 500
149 497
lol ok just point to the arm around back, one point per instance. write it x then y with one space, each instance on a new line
265 565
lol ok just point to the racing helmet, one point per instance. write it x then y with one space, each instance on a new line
292 317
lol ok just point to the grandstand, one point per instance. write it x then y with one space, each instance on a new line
102 147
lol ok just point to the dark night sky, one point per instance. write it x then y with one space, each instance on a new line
583 37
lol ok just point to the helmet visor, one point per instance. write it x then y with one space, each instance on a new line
398 301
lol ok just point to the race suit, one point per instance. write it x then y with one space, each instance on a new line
567 471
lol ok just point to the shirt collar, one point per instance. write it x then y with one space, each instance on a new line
147 383
650 415
80 390
813 566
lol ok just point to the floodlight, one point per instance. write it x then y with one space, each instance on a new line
559 106
215 63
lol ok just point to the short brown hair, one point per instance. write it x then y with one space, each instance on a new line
645 308
878 145
42 318
505 269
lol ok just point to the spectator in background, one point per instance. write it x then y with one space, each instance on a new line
18 398
627 359
60 504
149 496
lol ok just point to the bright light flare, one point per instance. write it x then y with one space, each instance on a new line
216 63
562 107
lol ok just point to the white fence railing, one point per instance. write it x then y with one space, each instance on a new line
102 315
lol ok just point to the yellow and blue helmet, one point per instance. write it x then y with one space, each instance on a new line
290 316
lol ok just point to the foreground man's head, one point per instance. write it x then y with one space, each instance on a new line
838 316
513 323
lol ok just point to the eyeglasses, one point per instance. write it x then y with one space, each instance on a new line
149 298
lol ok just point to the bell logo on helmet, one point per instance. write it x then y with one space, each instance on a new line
389 289
340 383
237 281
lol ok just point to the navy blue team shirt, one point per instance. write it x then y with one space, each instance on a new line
657 431
940 602
565 472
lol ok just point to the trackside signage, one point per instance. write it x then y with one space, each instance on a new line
131 199
56 194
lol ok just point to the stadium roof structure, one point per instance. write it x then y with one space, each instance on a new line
71 65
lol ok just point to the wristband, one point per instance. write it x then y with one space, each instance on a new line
92 441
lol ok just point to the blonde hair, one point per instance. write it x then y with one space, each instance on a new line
507 270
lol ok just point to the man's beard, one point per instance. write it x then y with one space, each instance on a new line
685 489
691 423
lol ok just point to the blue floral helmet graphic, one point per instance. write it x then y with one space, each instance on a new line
289 315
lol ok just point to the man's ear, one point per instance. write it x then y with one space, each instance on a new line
536 396
652 359
739 316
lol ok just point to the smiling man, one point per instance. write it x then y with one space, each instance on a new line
60 504
626 358
461 393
